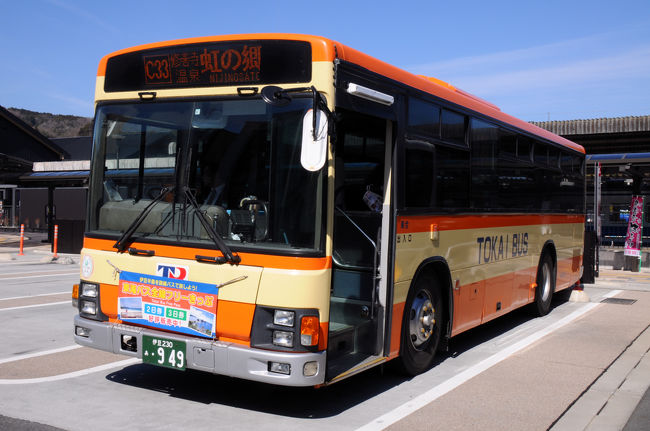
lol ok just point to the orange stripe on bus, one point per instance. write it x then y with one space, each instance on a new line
234 320
418 223
108 299
249 259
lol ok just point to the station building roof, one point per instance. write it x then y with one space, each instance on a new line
605 135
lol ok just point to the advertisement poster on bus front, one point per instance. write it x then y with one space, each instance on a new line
634 228
176 305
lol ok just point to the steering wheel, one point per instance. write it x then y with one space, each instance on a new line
251 201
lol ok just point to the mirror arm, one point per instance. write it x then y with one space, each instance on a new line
319 103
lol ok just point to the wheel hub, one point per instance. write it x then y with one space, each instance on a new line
421 318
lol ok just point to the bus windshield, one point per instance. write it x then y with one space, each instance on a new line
238 159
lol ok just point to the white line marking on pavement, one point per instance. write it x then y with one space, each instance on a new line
443 388
38 276
34 296
70 375
36 305
36 354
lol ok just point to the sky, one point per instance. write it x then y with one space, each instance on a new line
537 60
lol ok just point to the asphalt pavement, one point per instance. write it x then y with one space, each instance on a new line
616 397
33 243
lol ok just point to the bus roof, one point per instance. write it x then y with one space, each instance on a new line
324 49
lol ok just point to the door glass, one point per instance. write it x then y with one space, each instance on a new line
359 188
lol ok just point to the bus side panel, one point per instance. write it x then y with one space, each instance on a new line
524 289
468 311
490 282
498 296
568 268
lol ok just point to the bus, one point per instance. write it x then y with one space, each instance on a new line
286 209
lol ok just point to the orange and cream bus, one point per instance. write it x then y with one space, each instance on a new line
286 209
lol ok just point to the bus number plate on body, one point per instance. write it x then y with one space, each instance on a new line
163 352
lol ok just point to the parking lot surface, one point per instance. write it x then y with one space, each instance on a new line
584 366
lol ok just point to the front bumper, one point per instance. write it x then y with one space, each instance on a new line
216 357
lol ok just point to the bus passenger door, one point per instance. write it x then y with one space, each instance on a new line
361 196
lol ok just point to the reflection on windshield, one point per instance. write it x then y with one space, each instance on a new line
240 160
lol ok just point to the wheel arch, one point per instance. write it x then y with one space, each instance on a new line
438 267
549 247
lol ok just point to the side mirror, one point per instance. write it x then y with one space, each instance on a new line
313 153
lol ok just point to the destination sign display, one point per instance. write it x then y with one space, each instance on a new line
239 63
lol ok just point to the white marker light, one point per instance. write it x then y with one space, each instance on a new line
370 94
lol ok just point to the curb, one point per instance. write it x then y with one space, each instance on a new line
610 401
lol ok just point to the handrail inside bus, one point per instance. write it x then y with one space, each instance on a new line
374 245
340 264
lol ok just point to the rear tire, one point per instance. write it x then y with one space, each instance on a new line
545 285
421 325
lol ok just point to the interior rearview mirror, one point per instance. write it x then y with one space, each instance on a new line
313 153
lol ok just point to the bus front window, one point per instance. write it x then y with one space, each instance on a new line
240 160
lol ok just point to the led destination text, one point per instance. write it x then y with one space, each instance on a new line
241 64
500 247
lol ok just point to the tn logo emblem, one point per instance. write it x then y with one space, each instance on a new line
172 271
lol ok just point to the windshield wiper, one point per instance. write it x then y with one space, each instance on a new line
124 240
229 256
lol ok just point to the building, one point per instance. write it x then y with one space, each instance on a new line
42 181
20 146
622 148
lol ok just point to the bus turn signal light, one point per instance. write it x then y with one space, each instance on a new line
75 295
309 327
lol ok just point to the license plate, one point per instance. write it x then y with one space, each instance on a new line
163 352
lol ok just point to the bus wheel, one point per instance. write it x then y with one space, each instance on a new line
421 327
545 286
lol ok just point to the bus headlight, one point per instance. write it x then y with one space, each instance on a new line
89 290
283 338
88 307
283 317
89 301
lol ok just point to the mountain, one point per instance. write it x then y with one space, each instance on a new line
54 125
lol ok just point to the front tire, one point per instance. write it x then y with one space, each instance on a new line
545 286
421 325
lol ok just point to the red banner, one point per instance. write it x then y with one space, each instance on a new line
634 228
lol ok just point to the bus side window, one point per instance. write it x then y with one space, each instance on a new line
419 175
484 137
452 178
